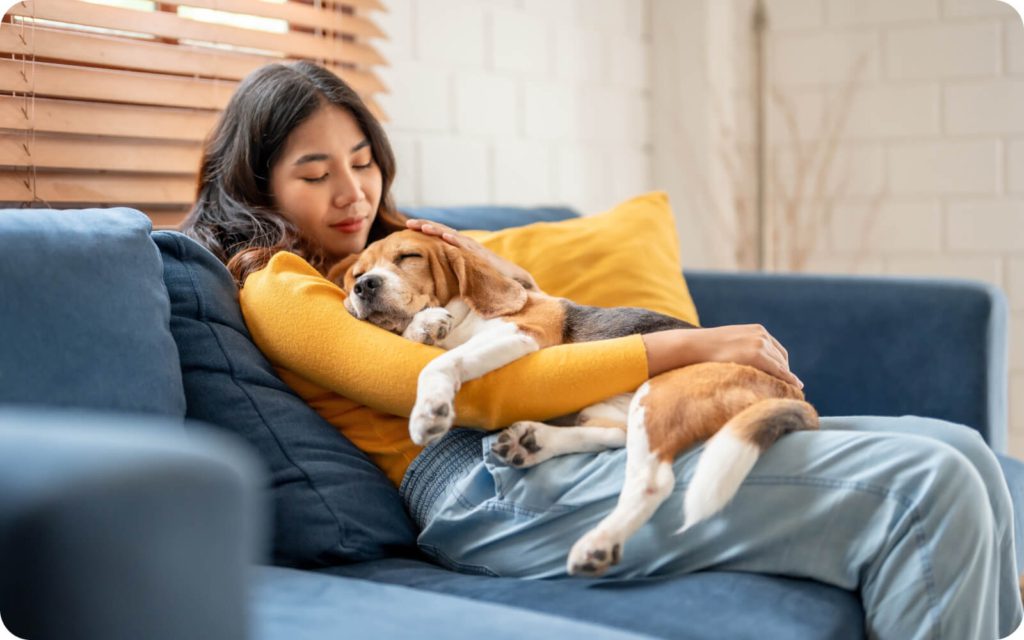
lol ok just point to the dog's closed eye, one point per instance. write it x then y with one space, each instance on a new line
407 256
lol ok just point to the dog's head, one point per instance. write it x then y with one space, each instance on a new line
407 271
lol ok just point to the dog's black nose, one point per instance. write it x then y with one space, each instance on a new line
366 287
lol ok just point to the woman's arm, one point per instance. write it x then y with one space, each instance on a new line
749 344
298 320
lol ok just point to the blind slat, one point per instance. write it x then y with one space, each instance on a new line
170 25
21 114
100 154
103 190
90 83
163 219
109 106
152 56
295 13
370 5
90 48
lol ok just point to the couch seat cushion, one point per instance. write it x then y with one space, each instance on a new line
709 605
301 605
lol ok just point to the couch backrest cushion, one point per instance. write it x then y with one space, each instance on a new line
331 504
84 320
489 218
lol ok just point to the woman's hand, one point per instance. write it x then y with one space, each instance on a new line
749 344
456 239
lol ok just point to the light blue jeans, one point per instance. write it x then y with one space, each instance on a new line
912 513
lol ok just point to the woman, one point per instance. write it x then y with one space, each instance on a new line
912 513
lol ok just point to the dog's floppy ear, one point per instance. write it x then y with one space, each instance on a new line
485 289
337 273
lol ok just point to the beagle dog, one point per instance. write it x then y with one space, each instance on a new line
427 290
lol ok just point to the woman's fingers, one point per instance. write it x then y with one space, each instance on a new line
778 345
779 367
444 232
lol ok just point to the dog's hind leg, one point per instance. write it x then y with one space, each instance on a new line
613 412
600 426
649 481
527 443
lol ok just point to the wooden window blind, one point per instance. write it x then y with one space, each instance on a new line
107 102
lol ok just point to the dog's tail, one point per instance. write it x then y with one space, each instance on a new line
730 454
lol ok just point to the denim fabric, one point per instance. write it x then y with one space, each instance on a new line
878 346
488 218
331 504
84 318
921 525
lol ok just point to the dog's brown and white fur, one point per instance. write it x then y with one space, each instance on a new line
429 291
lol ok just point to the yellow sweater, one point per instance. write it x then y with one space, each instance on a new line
362 379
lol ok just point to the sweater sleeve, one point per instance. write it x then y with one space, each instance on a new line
297 318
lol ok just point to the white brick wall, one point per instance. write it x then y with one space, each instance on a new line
518 101
938 121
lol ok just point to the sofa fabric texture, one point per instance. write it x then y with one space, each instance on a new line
331 504
124 526
83 292
489 218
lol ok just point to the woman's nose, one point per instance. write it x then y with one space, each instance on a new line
346 189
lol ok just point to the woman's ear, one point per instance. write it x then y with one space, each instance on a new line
485 289
337 273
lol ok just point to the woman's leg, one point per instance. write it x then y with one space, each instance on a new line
904 519
969 443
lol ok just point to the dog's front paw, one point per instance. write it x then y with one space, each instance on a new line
594 554
520 445
429 326
430 420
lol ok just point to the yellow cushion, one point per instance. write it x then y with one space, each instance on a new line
625 257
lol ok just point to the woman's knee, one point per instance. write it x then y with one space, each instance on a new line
961 438
952 488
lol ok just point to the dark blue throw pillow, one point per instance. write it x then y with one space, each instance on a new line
84 317
331 504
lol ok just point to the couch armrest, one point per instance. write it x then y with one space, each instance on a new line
120 527
878 345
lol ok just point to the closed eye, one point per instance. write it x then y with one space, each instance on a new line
407 256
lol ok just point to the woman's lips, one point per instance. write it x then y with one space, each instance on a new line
349 226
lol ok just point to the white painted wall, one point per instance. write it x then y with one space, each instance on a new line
518 101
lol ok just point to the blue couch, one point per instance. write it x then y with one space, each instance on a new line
158 480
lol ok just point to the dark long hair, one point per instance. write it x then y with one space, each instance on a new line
234 215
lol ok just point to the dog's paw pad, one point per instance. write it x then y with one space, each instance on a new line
519 445
430 326
430 421
441 410
594 554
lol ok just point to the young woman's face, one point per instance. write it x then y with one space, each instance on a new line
327 183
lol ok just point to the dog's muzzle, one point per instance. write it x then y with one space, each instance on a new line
368 302
367 287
